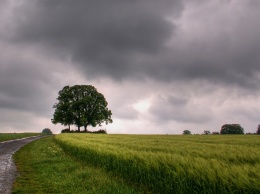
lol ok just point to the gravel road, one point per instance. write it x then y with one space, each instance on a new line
7 166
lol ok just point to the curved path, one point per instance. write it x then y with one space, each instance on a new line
7 166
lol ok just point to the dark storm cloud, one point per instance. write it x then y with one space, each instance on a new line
124 39
104 37
127 39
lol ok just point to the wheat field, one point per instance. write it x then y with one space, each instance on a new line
173 163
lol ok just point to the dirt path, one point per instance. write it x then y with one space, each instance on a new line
7 166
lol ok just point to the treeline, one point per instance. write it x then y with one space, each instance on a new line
227 129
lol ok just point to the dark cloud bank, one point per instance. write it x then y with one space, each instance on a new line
127 39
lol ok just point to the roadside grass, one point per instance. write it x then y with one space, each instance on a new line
45 168
11 136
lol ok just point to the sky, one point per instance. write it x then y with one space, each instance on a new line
163 66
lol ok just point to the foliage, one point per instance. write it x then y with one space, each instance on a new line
66 131
81 105
173 164
231 129
11 136
258 130
100 131
44 168
47 131
186 132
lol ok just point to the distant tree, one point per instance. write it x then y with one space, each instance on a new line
186 132
81 105
215 133
258 130
47 131
231 129
206 132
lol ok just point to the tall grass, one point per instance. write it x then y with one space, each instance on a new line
10 136
43 167
173 164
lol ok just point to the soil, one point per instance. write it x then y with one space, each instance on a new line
7 167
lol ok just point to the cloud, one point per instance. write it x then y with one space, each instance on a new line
191 63
215 41
103 37
171 108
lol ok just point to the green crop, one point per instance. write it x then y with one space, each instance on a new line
43 168
172 163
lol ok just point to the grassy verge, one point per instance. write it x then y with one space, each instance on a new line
45 168
10 136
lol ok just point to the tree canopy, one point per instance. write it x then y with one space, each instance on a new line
232 129
81 105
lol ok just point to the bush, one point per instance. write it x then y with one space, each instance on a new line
66 131
186 132
47 131
103 131
206 132
99 131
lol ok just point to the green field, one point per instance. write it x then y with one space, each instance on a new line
98 163
10 136
172 163
45 168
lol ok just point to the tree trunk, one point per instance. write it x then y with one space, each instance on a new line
78 128
69 127
86 127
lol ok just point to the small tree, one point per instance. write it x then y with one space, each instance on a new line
231 129
47 131
186 132
206 132
258 130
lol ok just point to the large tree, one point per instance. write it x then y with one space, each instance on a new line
81 105
232 129
258 130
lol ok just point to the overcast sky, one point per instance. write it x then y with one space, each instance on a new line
163 66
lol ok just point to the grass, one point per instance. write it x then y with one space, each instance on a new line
97 163
45 168
173 164
11 136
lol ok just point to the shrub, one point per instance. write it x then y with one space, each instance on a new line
47 131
